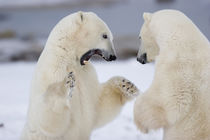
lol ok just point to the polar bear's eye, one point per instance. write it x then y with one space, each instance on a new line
105 36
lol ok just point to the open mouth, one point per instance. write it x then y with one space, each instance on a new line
104 54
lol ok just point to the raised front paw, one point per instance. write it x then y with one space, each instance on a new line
126 87
70 83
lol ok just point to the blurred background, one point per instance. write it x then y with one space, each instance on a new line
25 26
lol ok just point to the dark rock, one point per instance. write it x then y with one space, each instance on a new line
7 34
1 125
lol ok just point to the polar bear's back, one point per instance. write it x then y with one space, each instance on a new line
175 27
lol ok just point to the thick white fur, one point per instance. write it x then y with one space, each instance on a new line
179 98
52 114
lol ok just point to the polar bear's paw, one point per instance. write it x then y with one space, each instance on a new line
70 83
126 87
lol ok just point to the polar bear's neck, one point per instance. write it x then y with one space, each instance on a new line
54 64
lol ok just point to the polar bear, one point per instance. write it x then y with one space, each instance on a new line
67 101
178 99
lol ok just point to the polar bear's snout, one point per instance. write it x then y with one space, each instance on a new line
142 58
109 55
106 55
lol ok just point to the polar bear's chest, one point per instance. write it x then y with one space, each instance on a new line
87 80
87 84
84 99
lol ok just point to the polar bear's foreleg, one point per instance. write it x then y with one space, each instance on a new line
55 107
148 113
114 94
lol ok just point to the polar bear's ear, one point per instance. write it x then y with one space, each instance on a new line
147 17
80 17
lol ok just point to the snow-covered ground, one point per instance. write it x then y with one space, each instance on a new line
14 93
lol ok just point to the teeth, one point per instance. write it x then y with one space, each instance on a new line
85 62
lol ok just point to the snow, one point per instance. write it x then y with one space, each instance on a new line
14 94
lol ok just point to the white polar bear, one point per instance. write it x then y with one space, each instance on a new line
178 99
67 102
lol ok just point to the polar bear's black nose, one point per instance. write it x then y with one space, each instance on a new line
142 59
112 57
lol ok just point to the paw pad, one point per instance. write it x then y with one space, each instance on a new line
128 88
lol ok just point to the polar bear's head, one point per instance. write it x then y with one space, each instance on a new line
148 49
166 30
84 34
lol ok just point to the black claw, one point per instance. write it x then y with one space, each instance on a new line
71 75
